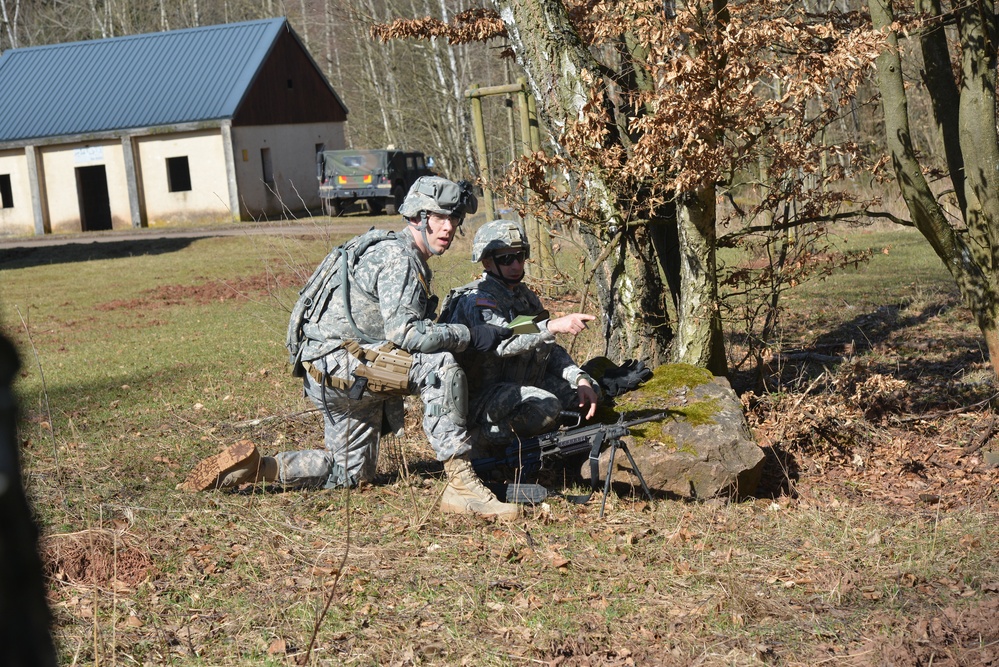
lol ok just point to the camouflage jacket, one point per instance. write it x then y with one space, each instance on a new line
522 359
389 300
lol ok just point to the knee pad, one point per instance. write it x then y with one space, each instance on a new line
535 416
454 385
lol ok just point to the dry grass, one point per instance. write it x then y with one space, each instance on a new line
157 359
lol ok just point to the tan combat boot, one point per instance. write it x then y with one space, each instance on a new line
466 494
237 464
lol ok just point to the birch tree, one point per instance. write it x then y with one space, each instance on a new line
10 11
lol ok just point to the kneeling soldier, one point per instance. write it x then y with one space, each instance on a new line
362 336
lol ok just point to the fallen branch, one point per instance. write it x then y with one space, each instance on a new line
263 420
935 415
983 437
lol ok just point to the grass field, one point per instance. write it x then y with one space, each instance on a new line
873 541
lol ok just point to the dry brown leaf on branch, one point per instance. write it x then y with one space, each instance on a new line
473 25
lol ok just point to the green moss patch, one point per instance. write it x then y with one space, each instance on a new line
670 377
699 413
660 390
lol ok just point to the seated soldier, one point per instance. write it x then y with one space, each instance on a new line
522 387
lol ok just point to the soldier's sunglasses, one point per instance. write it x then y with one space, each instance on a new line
510 258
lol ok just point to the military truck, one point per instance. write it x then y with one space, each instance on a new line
380 177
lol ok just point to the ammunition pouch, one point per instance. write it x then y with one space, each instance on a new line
330 381
386 368
383 370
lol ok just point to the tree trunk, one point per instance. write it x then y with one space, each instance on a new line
938 75
10 24
380 76
457 123
629 274
970 253
699 336
632 301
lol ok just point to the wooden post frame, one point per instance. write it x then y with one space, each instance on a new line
480 149
530 141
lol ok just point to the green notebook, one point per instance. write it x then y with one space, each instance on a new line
524 324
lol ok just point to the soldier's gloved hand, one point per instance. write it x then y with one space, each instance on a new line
486 337
623 378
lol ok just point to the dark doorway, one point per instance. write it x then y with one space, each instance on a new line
95 205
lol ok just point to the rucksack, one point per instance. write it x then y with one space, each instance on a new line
314 297
451 301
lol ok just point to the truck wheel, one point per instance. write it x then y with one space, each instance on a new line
392 206
332 207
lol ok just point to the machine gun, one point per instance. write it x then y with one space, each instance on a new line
530 455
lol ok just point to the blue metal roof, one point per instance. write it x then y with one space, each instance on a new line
163 78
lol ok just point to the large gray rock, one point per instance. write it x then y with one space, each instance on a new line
703 449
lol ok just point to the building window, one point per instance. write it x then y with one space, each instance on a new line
178 174
6 193
265 161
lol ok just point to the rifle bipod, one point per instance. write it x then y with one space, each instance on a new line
616 444
528 455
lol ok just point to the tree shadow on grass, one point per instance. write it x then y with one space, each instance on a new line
913 357
867 330
68 253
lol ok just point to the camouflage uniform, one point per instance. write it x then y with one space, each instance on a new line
520 389
366 313
389 301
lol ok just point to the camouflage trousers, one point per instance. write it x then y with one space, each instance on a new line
507 410
353 428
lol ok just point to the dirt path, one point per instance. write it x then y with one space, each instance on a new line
352 224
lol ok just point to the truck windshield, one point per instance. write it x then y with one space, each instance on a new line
355 164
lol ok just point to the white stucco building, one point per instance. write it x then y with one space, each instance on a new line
218 122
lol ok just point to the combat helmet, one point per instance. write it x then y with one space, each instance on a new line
435 194
499 235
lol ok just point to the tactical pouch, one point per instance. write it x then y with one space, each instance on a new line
331 381
386 368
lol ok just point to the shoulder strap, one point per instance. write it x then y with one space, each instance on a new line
353 252
452 299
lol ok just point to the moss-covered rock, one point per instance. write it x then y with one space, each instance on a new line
703 449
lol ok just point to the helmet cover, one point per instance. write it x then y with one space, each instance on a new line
435 194
498 235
